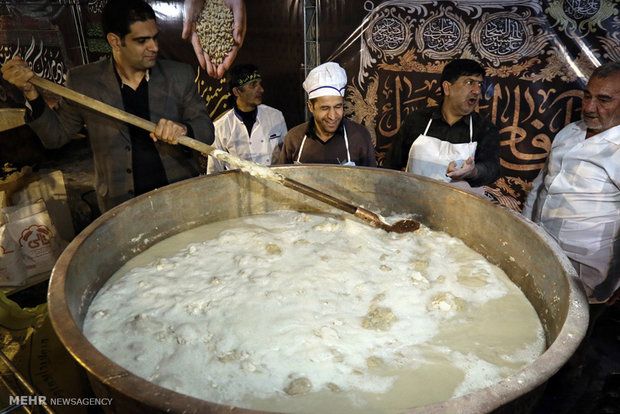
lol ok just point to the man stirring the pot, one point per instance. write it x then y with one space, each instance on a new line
450 142
328 138
127 162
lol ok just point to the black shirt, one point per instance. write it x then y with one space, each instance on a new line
485 133
148 170
36 108
248 118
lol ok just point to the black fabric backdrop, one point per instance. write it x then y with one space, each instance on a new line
537 54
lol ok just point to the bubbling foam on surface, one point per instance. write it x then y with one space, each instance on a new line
310 313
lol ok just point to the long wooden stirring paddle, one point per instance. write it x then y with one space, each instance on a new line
401 226
11 118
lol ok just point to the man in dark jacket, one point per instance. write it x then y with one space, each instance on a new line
127 162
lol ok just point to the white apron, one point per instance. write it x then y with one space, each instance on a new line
430 156
348 162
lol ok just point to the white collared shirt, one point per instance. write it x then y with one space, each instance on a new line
262 146
576 198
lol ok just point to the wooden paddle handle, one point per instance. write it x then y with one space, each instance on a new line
366 215
187 141
319 195
114 112
206 149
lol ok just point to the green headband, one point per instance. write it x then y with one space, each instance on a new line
248 78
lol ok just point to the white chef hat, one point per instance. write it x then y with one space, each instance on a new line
328 79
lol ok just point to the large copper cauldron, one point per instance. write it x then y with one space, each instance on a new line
530 258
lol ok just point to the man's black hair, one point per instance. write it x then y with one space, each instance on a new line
118 15
460 67
239 74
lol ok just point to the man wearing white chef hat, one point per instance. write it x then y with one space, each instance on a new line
328 138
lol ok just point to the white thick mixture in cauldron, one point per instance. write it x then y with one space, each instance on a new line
308 313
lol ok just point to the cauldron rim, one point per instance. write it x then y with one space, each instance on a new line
120 382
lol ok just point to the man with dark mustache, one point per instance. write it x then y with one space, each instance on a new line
450 142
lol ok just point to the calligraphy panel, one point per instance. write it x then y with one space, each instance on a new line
537 57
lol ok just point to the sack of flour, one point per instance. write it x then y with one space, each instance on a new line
50 189
14 213
12 268
37 239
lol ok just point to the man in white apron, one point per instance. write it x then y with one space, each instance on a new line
250 130
576 196
328 138
450 142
